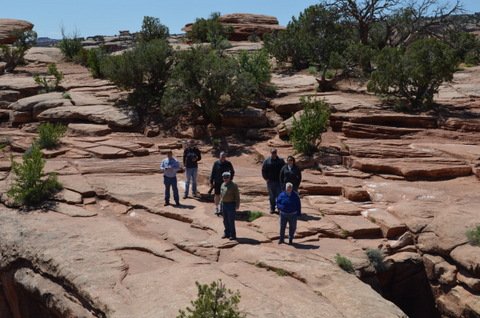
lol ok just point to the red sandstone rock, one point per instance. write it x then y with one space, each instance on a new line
9 28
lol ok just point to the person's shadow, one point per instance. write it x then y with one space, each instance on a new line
246 240
184 206
303 246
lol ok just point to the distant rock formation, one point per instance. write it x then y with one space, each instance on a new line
245 25
9 28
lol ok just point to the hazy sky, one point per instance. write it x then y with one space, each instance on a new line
107 17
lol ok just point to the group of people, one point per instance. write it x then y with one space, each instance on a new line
282 178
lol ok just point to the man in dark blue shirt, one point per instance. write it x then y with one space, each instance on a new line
271 174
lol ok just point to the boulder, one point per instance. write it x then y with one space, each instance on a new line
244 25
9 28
26 109
468 257
249 117
99 114
88 130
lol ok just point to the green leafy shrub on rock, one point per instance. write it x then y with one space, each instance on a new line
210 30
49 135
375 256
344 263
473 236
51 81
31 187
70 46
308 128
213 300
413 74
13 55
145 69
152 29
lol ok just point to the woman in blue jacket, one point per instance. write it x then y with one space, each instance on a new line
288 203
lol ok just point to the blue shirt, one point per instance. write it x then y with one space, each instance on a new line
289 203
169 167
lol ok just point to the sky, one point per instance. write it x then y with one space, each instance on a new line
107 17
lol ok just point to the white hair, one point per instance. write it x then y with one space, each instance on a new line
288 185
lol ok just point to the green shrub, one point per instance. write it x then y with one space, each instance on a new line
70 45
213 300
344 263
375 256
210 30
308 128
473 236
31 187
145 69
95 59
152 29
253 215
13 55
258 65
49 135
316 38
413 74
51 81
210 82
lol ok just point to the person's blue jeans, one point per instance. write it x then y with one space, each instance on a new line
274 189
228 210
191 176
171 182
291 219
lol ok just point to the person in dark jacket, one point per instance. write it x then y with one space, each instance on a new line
291 173
219 167
288 203
271 174
191 157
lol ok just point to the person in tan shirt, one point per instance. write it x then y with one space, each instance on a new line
230 202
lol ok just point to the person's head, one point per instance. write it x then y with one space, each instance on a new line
273 153
191 143
290 160
169 154
226 176
223 156
289 187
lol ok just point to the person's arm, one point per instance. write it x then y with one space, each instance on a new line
212 175
232 171
162 166
185 157
299 176
199 154
282 174
237 197
279 202
264 170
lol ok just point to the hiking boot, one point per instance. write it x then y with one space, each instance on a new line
177 203
281 242
233 238
166 203
185 196
224 236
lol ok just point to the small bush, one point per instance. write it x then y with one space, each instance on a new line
49 135
95 58
253 215
213 300
31 187
344 263
51 81
309 126
258 66
473 236
414 74
152 29
210 30
13 55
375 256
70 45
